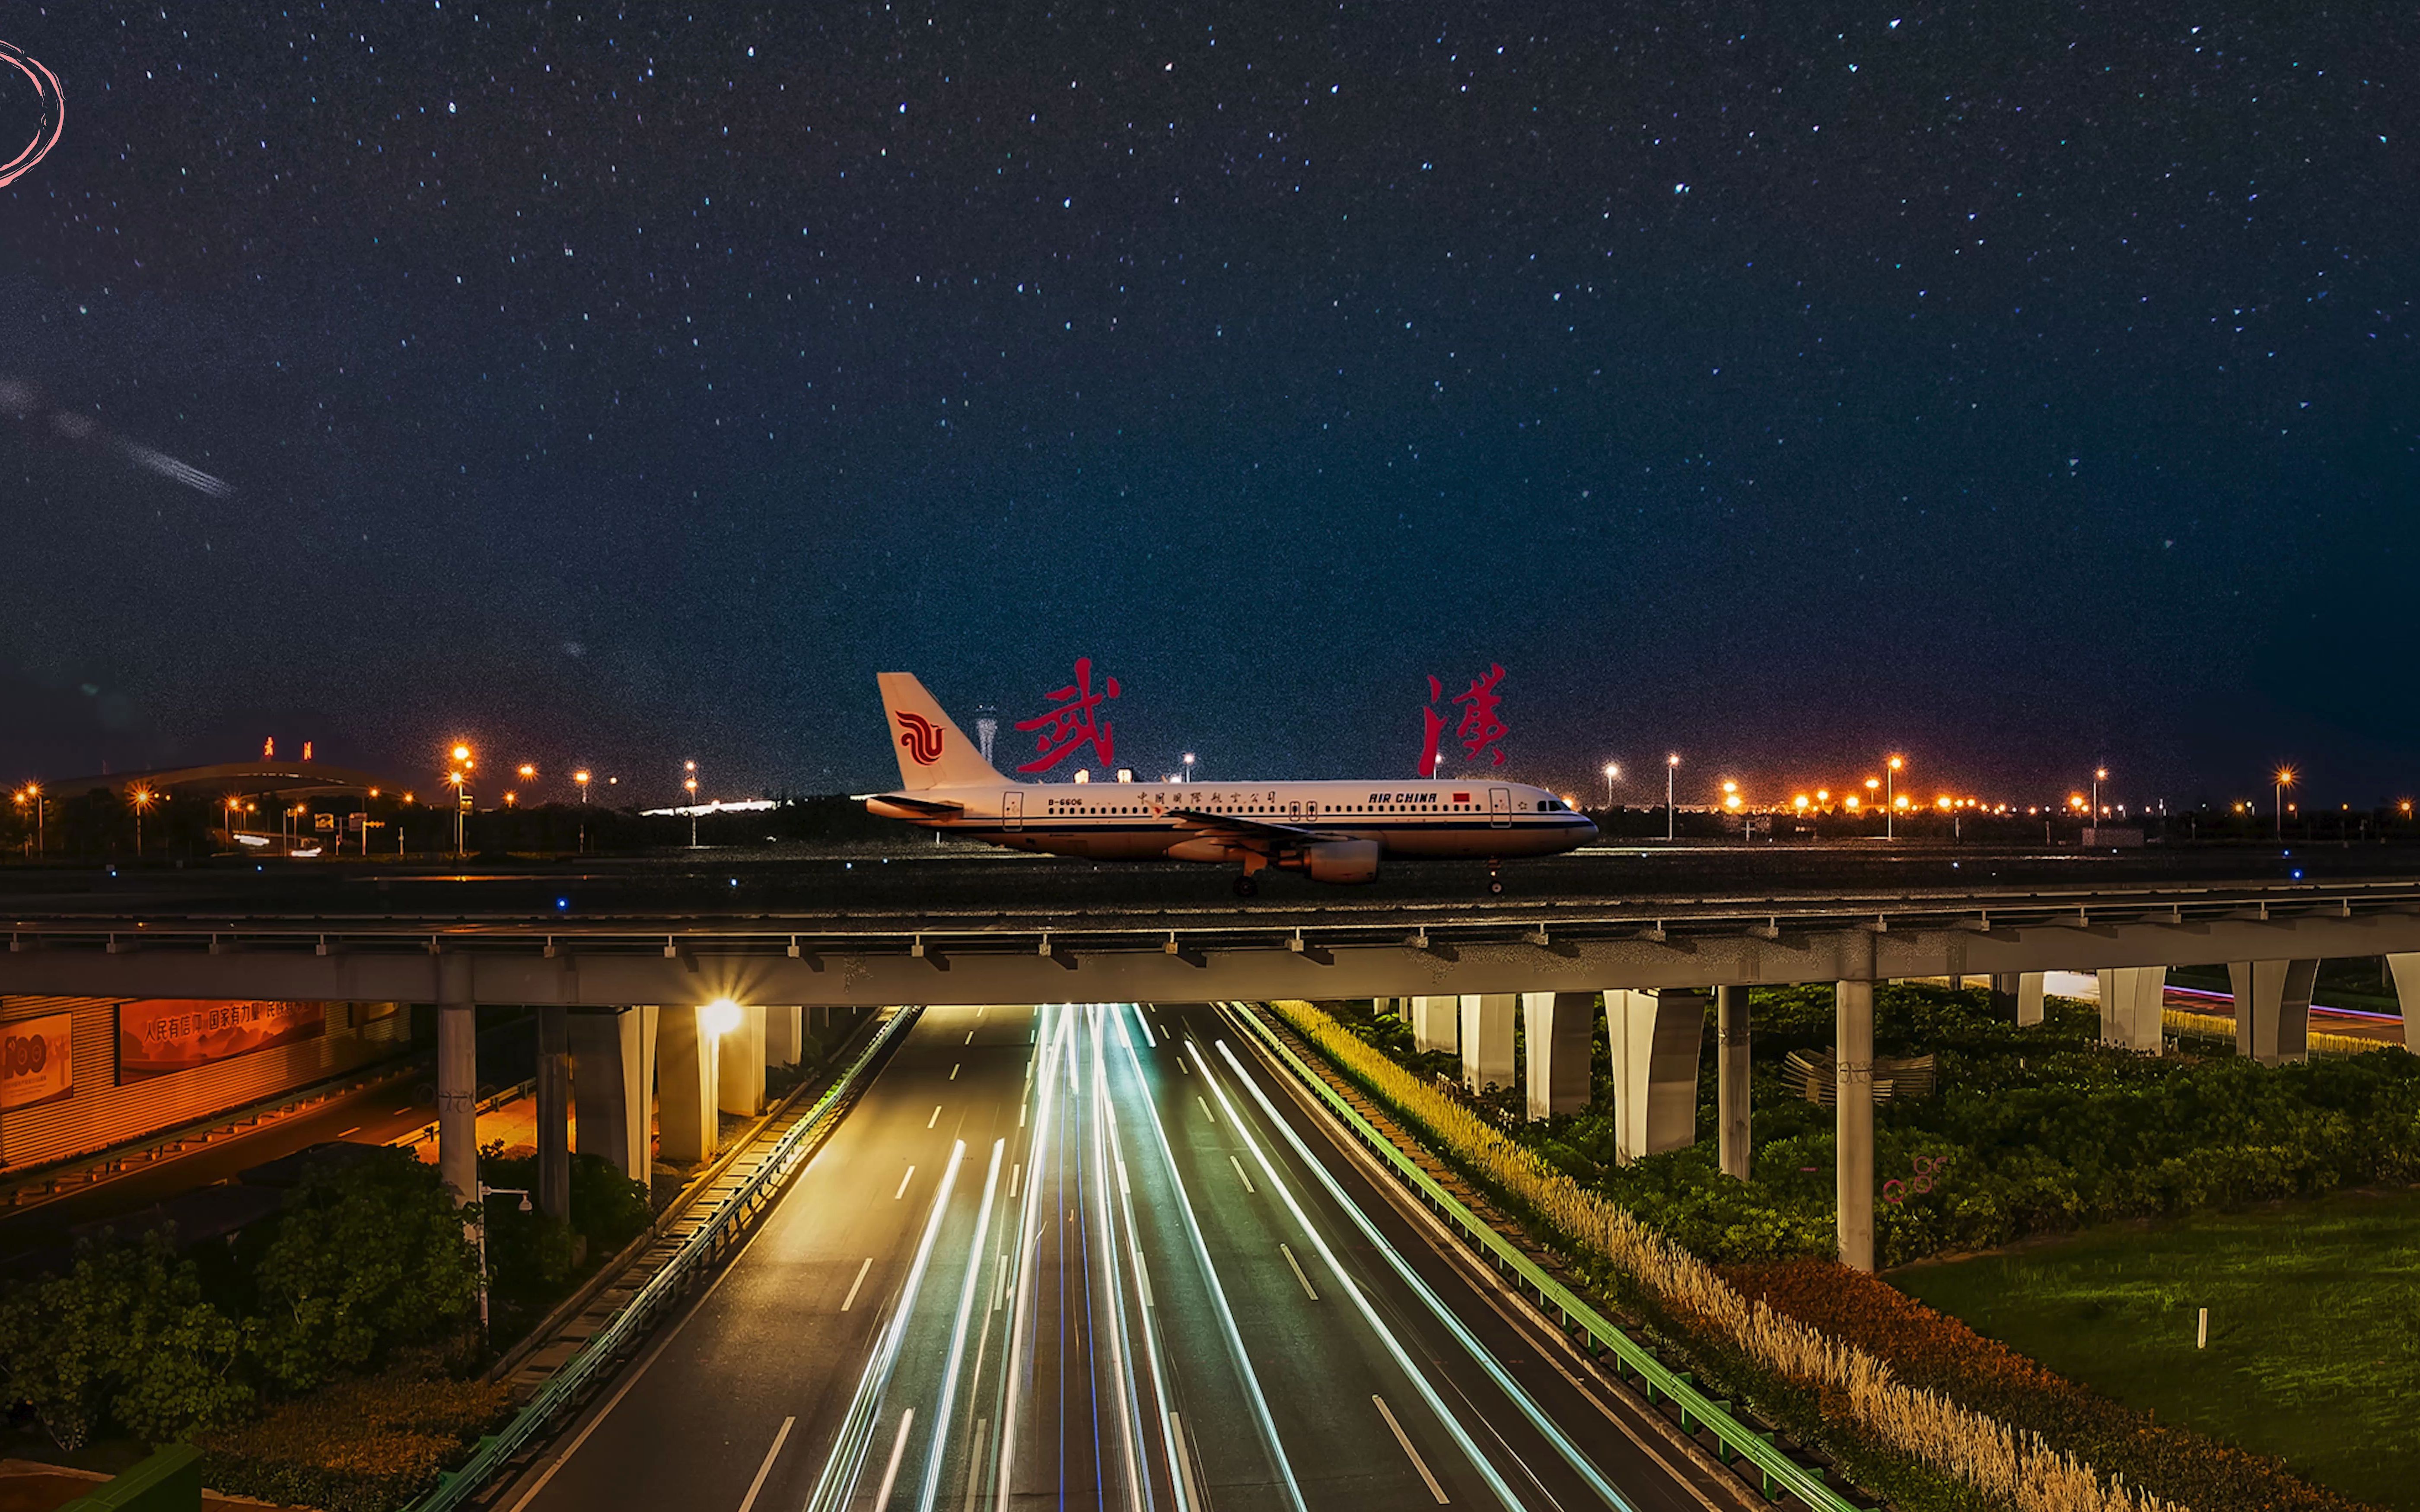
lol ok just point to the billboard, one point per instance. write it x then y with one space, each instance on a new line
37 1060
160 1035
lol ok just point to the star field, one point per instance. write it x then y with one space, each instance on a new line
2020 388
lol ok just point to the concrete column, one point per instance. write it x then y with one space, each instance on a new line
1487 1039
1853 1115
1731 1080
686 1082
739 1066
2405 969
1555 1043
2273 1009
786 1036
613 1078
457 1078
2131 1001
1437 1024
553 1194
1656 1037
2018 994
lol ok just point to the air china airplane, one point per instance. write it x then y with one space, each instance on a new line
1334 831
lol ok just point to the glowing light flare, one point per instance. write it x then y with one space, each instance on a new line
1850 802
719 1017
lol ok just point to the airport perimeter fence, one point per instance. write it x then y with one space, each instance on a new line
1777 1472
703 1249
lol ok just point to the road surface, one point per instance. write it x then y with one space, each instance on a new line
1084 1256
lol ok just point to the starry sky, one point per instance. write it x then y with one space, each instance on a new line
2015 386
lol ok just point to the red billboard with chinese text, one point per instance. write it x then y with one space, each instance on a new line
160 1035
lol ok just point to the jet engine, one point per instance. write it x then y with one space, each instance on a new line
1338 860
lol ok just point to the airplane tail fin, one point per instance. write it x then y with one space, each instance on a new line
933 751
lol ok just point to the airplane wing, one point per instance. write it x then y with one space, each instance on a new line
1254 832
931 806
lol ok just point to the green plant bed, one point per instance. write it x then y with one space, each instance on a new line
2312 1355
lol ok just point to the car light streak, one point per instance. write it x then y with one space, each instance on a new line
1581 1465
838 1481
958 1330
1029 1241
1171 1440
1114 1293
1262 1417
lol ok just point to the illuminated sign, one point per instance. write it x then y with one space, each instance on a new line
160 1035
37 1060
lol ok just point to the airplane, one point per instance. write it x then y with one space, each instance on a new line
1330 831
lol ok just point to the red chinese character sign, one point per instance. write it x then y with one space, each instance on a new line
1072 722
1479 728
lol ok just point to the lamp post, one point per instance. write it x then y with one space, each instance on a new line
1612 771
2099 775
581 776
1189 767
460 778
2283 780
33 796
691 785
1890 798
1672 768
141 798
485 1193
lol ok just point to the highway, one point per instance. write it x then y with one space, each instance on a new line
1099 1256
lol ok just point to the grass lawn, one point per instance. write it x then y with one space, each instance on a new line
2314 1327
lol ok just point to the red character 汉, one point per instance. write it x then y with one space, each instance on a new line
1072 722
1479 727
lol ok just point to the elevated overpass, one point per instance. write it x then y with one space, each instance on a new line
1651 934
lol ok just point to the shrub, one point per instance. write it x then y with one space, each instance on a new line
366 1259
124 1335
360 1445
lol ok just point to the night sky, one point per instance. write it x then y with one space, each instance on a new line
2015 386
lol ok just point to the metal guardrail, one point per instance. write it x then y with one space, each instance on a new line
1735 1439
702 1249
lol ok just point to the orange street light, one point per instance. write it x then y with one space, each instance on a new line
1892 802
527 771
142 798
2283 780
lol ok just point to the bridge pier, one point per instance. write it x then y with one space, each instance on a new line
553 1194
2019 994
786 1036
2131 1001
2273 1009
739 1065
687 1080
613 1083
1853 1106
1487 1039
1436 1023
1732 1080
1655 1034
1555 1042
457 1078
2405 970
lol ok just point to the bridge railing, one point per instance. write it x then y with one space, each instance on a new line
604 1349
1777 1472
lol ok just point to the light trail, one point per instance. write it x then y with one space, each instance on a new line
958 1331
1262 1417
848 1460
1121 1352
1581 1465
1029 1239
1171 1438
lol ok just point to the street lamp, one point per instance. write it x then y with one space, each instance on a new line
1189 767
2099 775
2283 780
528 771
460 778
141 798
691 785
485 1193
1671 766
1612 771
1874 785
581 776
33 796
1890 798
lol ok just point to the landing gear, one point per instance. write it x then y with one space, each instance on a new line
1248 887
1495 883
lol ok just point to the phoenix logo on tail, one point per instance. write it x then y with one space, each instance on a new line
921 737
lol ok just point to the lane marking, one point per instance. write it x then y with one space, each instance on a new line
935 1117
859 1282
1409 1453
1014 1172
1185 1461
970 1036
898 1452
974 1460
403 1110
954 1073
1205 1108
905 1177
766 1468
1241 1174
354 1130
1020 1114
1297 1273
